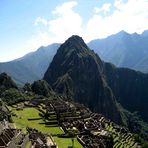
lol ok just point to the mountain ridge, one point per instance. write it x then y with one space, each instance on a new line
81 75
123 50
30 67
76 73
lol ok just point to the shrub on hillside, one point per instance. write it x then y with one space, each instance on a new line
12 96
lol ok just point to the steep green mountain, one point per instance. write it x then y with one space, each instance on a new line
30 67
9 91
41 87
129 87
78 72
124 50
6 82
118 93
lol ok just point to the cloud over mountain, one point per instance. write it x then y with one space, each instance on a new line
110 18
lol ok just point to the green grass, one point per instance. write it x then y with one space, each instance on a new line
28 145
124 140
22 121
65 142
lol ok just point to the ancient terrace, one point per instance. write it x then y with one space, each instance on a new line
91 129
11 137
84 128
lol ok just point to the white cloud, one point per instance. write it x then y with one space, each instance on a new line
41 39
131 16
105 8
65 8
118 4
40 20
66 23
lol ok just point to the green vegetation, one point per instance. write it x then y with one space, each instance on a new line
12 96
21 121
6 82
140 140
8 90
27 87
134 122
4 112
41 87
22 116
28 145
121 139
65 142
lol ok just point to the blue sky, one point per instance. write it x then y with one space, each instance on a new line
26 25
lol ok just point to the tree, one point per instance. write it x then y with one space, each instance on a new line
41 87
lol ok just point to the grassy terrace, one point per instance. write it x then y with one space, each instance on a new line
121 140
21 121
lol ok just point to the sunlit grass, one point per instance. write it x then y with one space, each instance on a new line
65 142
21 121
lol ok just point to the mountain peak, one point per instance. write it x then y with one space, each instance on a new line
75 38
76 72
123 33
75 42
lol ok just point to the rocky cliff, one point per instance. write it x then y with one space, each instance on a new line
78 72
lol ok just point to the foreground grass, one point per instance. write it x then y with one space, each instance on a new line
21 121
65 142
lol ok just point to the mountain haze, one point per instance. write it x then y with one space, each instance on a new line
124 50
129 87
32 66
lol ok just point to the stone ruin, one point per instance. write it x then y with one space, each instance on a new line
40 140
11 137
94 130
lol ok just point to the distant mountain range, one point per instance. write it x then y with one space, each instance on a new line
32 66
122 49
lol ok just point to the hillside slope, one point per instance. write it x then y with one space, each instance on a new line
77 72
30 67
124 50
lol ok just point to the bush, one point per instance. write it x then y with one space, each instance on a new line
27 87
12 96
41 87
